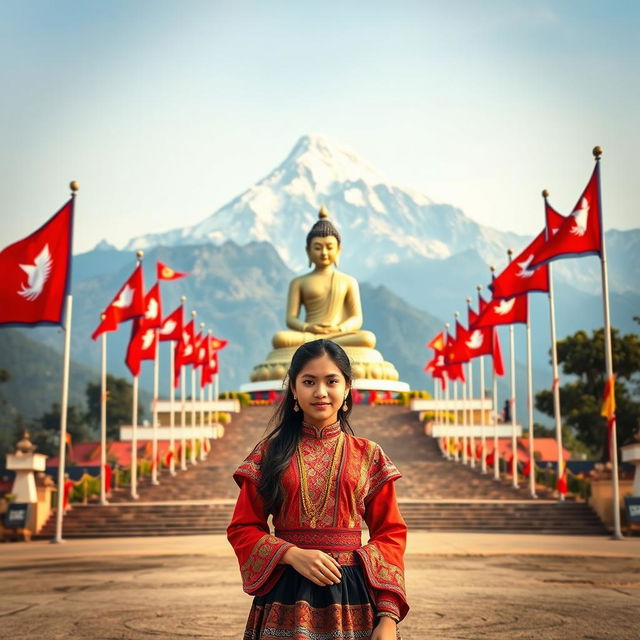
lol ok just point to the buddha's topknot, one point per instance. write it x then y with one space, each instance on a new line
323 228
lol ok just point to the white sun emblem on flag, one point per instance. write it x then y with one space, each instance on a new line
37 274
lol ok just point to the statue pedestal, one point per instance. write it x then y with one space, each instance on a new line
363 384
370 371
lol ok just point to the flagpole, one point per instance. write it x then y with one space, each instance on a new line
471 417
532 461
134 422
482 416
172 398
462 414
446 414
63 415
496 466
202 453
613 437
64 401
183 418
103 416
192 453
512 401
154 444
555 389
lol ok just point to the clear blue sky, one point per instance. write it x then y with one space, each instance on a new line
165 110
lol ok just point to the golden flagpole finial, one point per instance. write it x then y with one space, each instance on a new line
74 186
597 152
545 193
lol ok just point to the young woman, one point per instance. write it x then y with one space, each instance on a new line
314 578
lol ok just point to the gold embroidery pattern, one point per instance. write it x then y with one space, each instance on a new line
250 467
318 454
264 556
382 470
382 574
359 476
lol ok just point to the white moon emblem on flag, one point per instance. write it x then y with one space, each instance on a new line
37 274
125 298
580 218
505 306
475 340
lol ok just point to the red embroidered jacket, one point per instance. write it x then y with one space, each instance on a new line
362 488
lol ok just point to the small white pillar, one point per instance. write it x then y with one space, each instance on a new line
631 453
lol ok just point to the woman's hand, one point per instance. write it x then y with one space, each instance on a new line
315 565
385 629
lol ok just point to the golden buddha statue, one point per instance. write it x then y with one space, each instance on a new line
331 301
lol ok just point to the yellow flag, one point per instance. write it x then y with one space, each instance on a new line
609 400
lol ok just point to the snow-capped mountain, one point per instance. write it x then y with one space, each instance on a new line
380 223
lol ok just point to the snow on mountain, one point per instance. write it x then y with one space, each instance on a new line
380 223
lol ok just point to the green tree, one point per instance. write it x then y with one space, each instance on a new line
582 355
119 403
46 432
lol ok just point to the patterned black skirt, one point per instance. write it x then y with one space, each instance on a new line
299 609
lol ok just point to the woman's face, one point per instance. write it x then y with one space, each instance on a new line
320 390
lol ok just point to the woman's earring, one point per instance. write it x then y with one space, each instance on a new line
296 408
344 406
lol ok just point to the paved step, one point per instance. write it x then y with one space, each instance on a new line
435 494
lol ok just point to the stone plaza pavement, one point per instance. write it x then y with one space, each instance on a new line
460 586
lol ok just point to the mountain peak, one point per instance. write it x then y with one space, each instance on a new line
325 161
103 245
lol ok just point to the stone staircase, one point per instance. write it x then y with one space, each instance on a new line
434 494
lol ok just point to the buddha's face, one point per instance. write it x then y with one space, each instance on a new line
324 252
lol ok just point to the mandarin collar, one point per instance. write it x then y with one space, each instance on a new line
330 431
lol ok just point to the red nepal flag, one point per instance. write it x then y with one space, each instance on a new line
202 350
553 219
454 371
167 273
581 232
210 369
171 328
36 272
142 345
184 350
518 277
455 351
128 303
218 343
496 354
437 343
506 311
152 308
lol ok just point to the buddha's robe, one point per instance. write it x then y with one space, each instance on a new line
333 301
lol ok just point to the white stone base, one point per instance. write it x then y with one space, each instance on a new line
363 384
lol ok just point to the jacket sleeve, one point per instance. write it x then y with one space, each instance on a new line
383 556
257 550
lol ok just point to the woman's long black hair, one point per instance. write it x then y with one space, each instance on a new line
283 437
